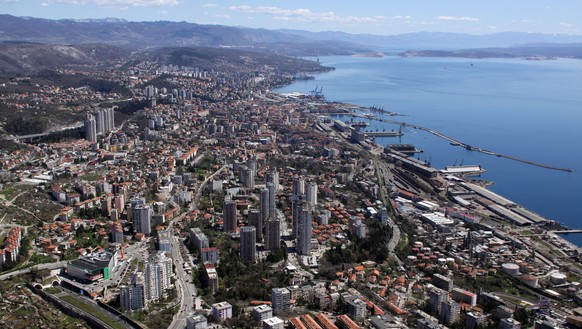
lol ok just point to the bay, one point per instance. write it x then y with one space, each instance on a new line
528 109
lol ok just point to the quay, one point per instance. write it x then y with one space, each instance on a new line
456 142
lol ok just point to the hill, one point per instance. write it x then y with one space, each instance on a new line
19 58
139 35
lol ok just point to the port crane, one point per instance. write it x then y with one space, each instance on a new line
317 92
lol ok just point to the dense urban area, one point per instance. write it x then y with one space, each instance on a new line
180 197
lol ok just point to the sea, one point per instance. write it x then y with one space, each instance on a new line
530 109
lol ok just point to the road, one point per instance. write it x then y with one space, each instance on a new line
184 285
186 289
47 266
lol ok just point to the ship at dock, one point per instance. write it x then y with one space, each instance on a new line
358 124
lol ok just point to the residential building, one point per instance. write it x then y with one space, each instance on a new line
450 312
255 220
311 194
273 323
229 216
132 297
90 128
273 234
262 312
248 243
442 282
264 206
509 323
141 218
463 296
357 310
473 319
280 299
199 239
222 311
157 276
209 255
304 230
196 321
273 178
436 297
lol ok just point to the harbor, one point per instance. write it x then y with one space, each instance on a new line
452 140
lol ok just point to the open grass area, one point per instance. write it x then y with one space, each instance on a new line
95 311
11 191
52 291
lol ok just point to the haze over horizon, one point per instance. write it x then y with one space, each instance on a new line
365 16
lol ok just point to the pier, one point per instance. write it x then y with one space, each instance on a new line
456 142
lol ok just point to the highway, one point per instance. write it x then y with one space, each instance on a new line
82 303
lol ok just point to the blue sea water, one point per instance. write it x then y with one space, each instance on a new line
529 109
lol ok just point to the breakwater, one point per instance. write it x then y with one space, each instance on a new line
456 142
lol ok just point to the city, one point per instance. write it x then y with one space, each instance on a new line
161 174
263 209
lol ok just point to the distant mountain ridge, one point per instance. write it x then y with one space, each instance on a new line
537 51
122 33
139 35
440 40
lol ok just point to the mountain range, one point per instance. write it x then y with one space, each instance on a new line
290 42
31 44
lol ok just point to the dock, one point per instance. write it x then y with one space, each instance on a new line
456 142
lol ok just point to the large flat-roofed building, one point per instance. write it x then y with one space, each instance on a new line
93 267
412 164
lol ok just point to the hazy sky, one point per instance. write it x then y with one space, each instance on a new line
355 16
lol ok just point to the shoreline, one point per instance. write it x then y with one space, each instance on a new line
486 183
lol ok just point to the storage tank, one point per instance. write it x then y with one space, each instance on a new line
575 285
510 268
558 278
530 280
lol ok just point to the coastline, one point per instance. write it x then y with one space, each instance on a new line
483 183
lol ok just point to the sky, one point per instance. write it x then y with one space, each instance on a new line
381 17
